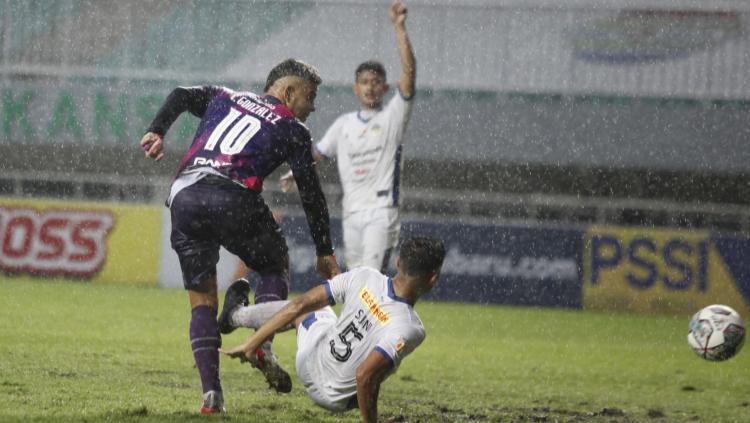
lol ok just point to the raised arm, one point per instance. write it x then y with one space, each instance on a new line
370 374
408 78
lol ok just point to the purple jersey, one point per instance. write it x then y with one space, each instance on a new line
246 137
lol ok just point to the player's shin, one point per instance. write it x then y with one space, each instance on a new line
256 315
271 288
205 342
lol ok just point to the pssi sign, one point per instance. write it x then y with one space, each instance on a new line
660 271
676 262
53 242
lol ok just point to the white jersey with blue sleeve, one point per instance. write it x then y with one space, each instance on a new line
373 319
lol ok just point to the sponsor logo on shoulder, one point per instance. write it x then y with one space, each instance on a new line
400 344
372 305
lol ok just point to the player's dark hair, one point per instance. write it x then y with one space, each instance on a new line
422 256
372 66
293 67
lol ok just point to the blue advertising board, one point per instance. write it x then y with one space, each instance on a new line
514 265
644 270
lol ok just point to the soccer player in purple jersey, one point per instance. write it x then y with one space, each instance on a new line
215 200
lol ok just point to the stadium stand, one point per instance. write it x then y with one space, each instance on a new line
188 39
635 149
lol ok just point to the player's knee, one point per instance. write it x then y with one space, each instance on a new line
279 266
271 260
204 294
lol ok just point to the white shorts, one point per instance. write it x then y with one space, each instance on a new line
308 347
370 236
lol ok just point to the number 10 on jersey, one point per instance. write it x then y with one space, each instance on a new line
240 132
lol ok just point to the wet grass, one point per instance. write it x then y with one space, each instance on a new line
71 351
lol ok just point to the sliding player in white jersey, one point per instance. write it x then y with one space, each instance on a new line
367 145
342 360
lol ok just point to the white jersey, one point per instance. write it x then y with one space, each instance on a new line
368 151
372 318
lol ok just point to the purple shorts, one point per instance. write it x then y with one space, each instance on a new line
216 212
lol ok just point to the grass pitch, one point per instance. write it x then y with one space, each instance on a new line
71 351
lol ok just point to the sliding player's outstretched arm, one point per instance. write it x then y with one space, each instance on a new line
314 299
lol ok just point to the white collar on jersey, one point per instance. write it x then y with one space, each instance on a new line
366 115
393 296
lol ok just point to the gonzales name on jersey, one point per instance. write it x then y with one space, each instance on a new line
245 137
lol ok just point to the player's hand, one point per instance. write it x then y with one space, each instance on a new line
278 215
397 12
242 351
327 266
153 145
287 181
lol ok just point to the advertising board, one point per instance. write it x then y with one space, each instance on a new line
516 265
96 242
663 270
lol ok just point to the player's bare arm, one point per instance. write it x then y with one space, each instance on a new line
310 301
370 375
407 82
287 181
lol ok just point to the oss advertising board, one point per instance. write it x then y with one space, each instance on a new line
98 242
598 267
664 271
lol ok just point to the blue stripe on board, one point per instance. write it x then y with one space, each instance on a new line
734 251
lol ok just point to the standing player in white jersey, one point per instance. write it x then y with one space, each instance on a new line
367 145
342 360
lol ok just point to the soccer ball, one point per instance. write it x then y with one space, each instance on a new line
716 333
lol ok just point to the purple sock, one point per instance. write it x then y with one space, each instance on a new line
205 341
271 288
